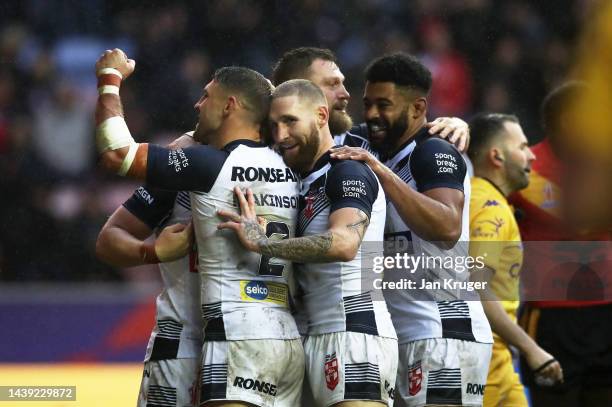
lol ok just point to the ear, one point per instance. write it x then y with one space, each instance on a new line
231 104
496 157
322 115
419 108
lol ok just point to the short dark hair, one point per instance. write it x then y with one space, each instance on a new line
401 69
294 64
302 88
251 87
484 128
556 103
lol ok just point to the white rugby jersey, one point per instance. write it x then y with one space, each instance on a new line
337 296
178 322
244 295
425 163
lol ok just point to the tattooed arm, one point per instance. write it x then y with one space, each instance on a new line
346 229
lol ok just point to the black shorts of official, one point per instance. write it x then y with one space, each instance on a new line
579 338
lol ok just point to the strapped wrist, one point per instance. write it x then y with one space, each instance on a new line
148 255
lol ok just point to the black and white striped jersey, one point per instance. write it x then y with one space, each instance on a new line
425 163
243 295
178 328
333 295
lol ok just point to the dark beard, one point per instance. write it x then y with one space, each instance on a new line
339 122
394 133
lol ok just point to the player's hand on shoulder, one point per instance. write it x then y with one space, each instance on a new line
355 154
453 129
250 229
116 59
174 241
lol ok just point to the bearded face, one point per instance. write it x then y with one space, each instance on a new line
300 148
385 133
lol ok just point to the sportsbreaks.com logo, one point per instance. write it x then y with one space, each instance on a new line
255 290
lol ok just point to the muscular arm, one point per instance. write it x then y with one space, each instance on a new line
121 238
435 211
434 215
347 227
113 138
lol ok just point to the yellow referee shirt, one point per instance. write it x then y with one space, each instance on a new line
494 234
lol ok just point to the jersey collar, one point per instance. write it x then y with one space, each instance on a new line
407 147
233 144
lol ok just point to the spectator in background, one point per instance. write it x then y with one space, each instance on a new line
451 92
60 122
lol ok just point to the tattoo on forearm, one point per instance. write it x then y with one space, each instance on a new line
309 249
361 225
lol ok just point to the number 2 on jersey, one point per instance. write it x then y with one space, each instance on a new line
267 266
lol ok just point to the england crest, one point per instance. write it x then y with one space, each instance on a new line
332 376
415 378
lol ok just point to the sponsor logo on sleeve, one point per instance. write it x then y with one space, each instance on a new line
353 188
446 163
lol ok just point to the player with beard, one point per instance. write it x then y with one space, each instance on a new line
252 352
320 66
426 182
502 162
350 343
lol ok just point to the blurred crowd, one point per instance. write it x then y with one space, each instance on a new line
495 55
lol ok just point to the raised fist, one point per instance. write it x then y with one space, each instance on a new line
118 60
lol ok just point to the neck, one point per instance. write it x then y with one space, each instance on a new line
495 178
232 130
327 142
413 128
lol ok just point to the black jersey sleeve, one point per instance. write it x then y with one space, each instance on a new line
351 184
436 163
190 169
151 205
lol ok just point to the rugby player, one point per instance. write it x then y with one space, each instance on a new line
502 162
252 352
350 345
426 183
172 358
320 66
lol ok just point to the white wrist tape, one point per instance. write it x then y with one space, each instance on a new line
128 160
112 134
109 71
108 89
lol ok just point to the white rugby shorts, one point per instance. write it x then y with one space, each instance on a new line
441 371
263 372
350 366
170 383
